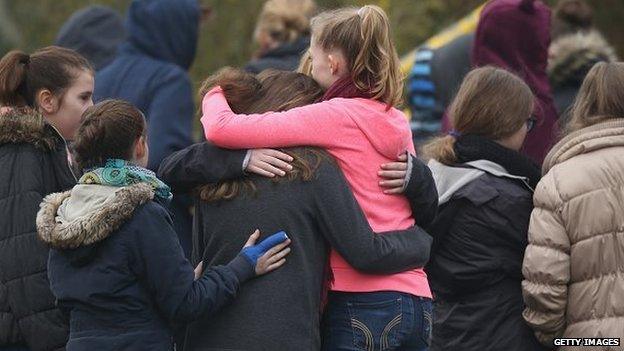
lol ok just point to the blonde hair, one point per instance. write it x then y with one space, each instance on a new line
600 98
305 64
285 20
492 103
363 35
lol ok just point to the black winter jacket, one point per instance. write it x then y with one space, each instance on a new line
475 269
34 163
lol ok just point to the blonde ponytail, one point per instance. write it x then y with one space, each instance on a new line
376 66
364 37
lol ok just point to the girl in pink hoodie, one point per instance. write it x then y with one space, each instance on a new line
353 57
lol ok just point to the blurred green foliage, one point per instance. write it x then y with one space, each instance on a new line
227 38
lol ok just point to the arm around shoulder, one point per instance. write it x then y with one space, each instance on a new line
345 226
200 164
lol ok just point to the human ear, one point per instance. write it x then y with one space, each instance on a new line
140 148
47 102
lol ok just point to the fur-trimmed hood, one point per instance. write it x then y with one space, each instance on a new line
572 56
27 126
88 213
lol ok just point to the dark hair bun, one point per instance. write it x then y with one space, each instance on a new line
109 130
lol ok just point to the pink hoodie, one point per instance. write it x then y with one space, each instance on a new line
361 135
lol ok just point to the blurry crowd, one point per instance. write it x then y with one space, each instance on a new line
475 202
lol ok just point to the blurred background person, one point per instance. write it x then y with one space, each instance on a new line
515 35
95 32
282 34
576 47
151 72
437 69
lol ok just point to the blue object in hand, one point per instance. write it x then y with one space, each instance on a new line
253 253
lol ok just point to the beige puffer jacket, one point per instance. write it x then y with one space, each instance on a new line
574 263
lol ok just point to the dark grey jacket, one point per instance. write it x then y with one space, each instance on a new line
34 163
282 310
475 272
285 57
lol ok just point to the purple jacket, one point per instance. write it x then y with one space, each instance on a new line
515 35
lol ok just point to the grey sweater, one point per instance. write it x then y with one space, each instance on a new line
281 311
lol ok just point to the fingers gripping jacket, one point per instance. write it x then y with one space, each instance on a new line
253 253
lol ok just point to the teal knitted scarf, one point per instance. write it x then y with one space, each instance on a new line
121 173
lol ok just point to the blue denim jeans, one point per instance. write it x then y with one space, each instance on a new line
376 321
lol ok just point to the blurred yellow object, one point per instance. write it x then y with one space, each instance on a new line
465 25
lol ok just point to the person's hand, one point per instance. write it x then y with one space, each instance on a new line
394 174
198 270
270 260
269 163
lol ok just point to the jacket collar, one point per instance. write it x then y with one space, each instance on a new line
592 138
27 126
449 179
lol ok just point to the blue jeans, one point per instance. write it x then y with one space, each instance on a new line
376 321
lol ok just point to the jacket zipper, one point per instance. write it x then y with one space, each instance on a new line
67 151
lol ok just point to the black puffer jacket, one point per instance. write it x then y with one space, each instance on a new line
34 163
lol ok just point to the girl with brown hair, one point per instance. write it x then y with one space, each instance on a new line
358 123
573 264
314 204
43 95
116 266
485 186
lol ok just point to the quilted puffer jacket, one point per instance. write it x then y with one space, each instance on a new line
574 263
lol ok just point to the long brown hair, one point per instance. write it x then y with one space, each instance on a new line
492 103
22 76
600 98
363 35
270 90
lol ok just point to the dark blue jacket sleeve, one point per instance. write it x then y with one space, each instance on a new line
170 117
200 164
422 194
169 275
